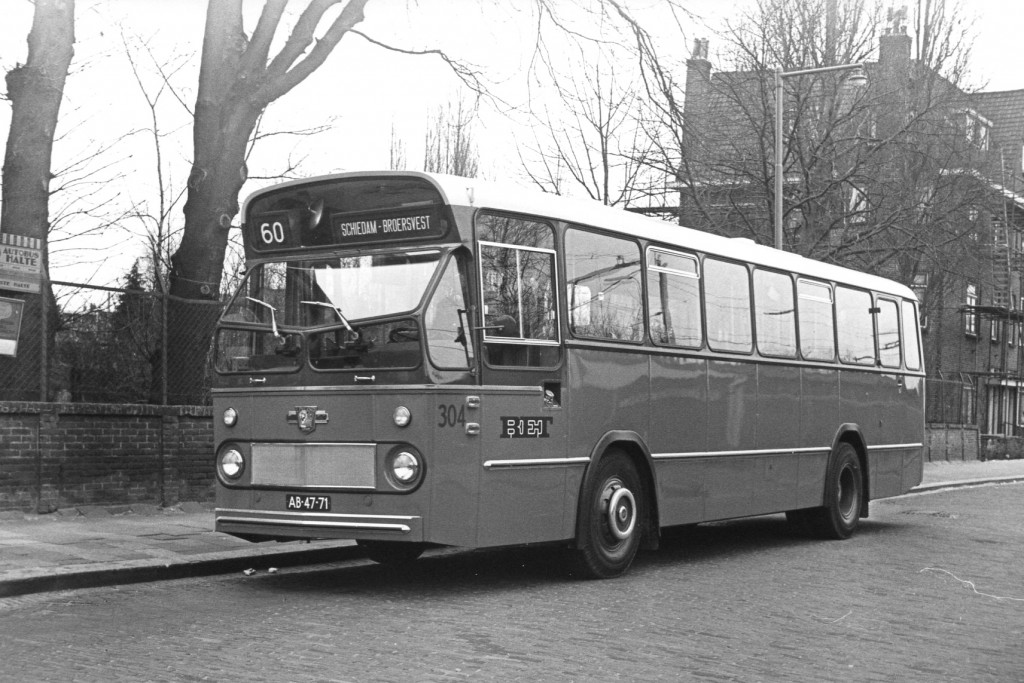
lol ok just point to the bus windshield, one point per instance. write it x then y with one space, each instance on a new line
344 309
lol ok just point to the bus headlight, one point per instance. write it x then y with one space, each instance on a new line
230 417
403 416
232 464
404 468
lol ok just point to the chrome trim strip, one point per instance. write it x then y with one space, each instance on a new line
355 526
895 446
390 523
711 454
327 515
534 462
414 389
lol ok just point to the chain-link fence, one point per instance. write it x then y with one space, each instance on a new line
952 399
105 345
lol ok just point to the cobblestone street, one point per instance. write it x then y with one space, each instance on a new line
929 590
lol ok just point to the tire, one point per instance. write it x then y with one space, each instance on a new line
844 495
391 553
612 519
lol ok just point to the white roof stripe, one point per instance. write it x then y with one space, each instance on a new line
516 198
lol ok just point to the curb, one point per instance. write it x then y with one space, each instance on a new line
963 483
140 571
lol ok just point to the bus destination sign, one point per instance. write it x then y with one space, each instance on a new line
291 229
376 227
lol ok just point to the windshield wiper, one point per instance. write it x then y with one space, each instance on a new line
334 308
273 316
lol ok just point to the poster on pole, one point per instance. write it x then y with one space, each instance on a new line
21 262
11 311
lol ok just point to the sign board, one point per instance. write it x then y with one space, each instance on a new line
11 311
21 262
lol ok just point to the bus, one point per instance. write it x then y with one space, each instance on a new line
417 360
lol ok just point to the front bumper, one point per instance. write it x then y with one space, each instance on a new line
274 524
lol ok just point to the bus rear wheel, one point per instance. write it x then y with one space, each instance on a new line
844 494
391 553
613 519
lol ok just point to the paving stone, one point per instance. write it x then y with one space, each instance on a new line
93 510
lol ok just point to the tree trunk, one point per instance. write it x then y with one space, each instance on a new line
35 90
237 80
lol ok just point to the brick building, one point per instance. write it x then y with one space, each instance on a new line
909 177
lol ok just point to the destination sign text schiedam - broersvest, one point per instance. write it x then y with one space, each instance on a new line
374 227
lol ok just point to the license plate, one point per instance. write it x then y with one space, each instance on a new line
308 503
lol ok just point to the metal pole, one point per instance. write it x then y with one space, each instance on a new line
163 348
779 75
778 158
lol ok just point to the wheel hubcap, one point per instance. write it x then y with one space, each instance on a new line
621 512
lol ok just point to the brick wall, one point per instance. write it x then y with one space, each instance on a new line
952 443
58 455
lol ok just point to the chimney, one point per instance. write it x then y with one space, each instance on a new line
698 73
894 50
894 44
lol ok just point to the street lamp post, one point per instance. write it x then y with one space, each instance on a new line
859 79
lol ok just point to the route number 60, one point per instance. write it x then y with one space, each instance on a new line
272 233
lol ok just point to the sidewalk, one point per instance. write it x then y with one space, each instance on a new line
95 546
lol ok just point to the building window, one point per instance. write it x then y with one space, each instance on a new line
970 312
968 400
920 287
977 129
994 336
858 205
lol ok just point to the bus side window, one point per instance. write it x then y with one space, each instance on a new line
517 264
448 343
911 345
889 352
604 291
817 332
855 326
673 299
727 298
774 308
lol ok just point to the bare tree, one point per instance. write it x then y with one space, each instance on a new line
594 140
238 79
396 152
450 146
867 169
35 90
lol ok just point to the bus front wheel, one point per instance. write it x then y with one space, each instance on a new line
391 552
612 522
844 492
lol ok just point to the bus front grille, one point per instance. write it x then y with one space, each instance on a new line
335 465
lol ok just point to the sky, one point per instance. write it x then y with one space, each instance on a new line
362 93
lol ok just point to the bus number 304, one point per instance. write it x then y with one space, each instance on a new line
449 415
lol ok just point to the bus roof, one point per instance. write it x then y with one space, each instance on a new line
473 192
